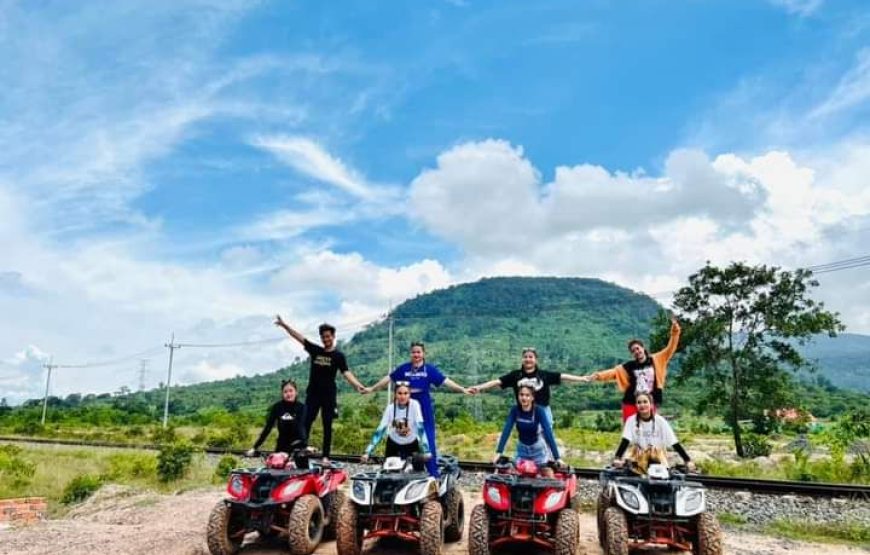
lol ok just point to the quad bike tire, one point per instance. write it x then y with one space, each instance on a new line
478 531
708 537
455 508
604 501
348 531
431 528
221 537
332 503
567 532
305 525
617 532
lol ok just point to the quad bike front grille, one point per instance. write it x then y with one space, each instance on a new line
661 500
385 491
263 488
523 499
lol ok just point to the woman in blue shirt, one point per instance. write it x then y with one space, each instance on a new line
421 376
529 419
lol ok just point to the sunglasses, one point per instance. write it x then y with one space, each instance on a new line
402 384
530 350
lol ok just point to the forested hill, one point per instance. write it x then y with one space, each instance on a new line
473 332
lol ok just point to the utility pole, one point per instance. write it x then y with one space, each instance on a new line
390 355
143 369
48 367
172 345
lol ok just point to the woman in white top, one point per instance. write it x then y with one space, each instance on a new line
404 426
649 435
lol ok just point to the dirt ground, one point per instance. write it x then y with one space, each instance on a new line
120 520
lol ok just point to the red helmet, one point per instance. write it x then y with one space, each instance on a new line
527 467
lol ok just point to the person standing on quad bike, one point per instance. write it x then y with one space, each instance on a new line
530 374
404 425
649 435
421 376
529 419
321 393
289 415
645 373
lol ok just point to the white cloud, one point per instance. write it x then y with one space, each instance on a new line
309 158
802 8
852 90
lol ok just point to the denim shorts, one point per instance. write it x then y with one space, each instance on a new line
537 452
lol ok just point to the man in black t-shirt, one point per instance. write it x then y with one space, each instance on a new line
326 362
530 374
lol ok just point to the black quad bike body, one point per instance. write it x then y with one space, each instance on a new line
402 500
662 507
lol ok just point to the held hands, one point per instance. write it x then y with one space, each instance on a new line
474 390
362 390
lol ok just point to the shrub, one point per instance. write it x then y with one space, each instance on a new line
131 465
14 470
225 465
174 460
162 435
80 488
606 422
755 445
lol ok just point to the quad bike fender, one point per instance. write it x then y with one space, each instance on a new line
330 481
291 489
416 491
629 498
690 501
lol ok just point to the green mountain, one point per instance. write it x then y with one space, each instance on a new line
844 360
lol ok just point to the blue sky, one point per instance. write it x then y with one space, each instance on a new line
198 166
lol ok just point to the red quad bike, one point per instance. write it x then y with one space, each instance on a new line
660 507
290 498
521 507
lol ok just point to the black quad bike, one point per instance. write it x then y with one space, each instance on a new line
401 500
522 507
660 507
290 498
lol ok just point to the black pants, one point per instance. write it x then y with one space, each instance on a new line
314 402
404 451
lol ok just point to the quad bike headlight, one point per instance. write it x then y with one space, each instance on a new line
553 500
693 501
493 494
630 499
361 491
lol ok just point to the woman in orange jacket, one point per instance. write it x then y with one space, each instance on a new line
645 373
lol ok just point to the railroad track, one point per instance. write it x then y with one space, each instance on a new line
778 487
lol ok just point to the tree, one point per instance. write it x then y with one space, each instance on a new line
743 324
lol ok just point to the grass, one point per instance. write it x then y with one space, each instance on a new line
851 533
731 519
58 465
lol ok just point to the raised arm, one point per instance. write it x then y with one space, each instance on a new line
453 386
573 378
484 386
293 333
352 380
673 340
382 383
